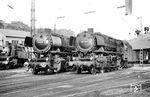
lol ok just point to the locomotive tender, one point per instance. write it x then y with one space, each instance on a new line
51 51
97 52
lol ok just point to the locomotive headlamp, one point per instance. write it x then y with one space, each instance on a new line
29 60
47 59
73 58
91 58
46 41
7 59
5 62
41 56
26 64
3 52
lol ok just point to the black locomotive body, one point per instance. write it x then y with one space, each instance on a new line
12 55
51 51
97 52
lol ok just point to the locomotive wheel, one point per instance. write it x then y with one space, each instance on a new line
58 67
102 71
74 68
47 71
78 71
93 70
65 68
34 71
19 63
7 66
15 62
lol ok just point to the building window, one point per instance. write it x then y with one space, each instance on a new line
7 42
14 42
22 42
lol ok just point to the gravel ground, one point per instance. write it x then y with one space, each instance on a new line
11 72
16 82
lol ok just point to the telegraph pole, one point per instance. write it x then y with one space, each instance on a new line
60 17
32 22
141 23
32 18
127 6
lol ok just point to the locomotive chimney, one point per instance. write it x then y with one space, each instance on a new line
91 30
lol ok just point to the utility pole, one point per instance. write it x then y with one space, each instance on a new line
88 13
127 6
32 22
141 23
60 17
32 18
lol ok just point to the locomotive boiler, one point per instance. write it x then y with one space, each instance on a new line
97 53
51 51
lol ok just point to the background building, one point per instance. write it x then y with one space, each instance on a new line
141 46
13 36
2 40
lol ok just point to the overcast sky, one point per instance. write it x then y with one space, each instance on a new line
107 19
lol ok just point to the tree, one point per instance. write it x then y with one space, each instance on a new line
65 32
1 24
146 29
137 32
18 25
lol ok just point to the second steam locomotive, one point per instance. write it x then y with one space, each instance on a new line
96 52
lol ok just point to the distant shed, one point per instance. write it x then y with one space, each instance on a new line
141 45
14 36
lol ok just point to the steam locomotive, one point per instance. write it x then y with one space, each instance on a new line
51 51
12 55
97 52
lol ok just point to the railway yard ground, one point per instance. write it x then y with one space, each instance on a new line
130 82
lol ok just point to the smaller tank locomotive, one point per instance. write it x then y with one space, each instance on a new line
51 51
12 55
97 52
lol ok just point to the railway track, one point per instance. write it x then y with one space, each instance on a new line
91 86
64 84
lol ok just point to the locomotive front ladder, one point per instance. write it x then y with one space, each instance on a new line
141 57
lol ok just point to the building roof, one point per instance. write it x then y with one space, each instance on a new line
14 33
141 42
